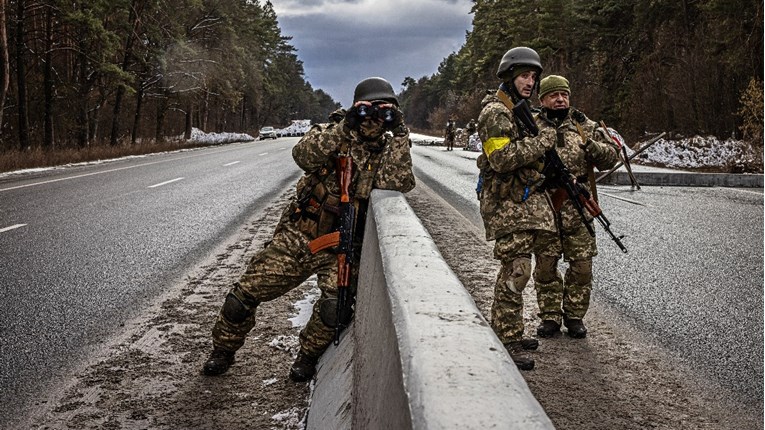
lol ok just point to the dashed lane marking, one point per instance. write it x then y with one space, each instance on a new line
13 227
165 183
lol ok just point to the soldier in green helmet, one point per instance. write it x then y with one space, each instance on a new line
514 206
371 132
581 144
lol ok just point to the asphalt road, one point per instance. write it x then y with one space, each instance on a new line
693 276
82 249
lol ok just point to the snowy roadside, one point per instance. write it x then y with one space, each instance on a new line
694 153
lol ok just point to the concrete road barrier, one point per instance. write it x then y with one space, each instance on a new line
421 354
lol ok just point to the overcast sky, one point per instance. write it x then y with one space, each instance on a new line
342 42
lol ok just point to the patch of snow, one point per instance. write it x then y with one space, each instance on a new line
291 418
304 306
284 342
298 127
271 381
697 151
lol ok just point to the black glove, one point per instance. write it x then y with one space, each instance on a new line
352 120
392 118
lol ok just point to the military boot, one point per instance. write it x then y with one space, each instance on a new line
529 344
576 328
548 328
218 362
519 356
303 368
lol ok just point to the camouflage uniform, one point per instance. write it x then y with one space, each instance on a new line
286 261
514 208
574 241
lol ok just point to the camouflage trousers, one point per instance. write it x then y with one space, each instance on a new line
284 263
514 251
567 297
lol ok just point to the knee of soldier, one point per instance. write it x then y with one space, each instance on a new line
515 275
546 269
328 312
580 271
237 308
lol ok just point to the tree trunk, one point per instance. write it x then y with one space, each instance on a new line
137 117
134 19
159 132
21 81
4 57
81 127
189 112
48 78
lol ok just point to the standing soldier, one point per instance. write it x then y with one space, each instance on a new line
580 145
449 135
514 208
373 134
471 128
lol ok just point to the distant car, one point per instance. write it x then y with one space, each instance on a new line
267 133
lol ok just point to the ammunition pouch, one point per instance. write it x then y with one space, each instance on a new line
317 209
517 186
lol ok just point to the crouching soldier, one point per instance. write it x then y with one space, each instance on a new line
372 133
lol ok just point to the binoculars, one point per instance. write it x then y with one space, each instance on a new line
384 111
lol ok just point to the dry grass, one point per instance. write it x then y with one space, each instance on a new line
14 159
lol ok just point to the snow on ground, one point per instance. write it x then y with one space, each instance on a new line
200 137
688 153
298 127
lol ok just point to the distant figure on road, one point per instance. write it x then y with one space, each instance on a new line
515 210
373 134
470 128
581 144
449 134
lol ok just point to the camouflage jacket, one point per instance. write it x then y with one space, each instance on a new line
579 153
511 165
383 164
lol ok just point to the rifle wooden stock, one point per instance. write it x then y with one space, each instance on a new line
345 245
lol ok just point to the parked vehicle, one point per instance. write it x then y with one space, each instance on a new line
267 133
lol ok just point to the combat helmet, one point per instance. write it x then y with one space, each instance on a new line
519 56
374 89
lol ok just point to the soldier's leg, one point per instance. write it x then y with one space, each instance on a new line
272 272
548 282
319 332
576 299
514 251
579 248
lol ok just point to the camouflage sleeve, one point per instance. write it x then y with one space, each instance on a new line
501 144
601 150
396 170
321 141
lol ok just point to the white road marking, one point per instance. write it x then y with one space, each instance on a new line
264 153
115 170
165 183
13 227
231 163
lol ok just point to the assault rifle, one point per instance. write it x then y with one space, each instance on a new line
558 174
345 246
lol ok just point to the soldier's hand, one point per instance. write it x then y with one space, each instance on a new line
392 117
352 120
547 138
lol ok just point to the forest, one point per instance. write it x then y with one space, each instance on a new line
687 67
86 73
115 73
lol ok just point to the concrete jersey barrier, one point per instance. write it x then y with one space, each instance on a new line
423 355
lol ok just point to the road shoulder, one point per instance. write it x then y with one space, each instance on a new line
614 378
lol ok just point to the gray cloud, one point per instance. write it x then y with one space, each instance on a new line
342 42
